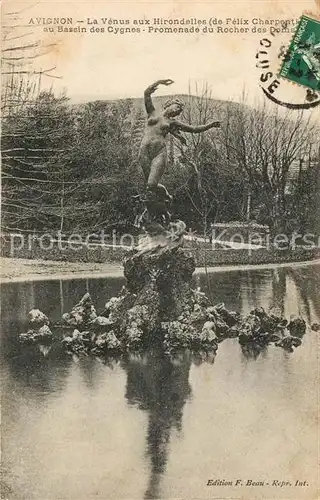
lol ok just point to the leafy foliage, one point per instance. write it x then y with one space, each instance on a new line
74 168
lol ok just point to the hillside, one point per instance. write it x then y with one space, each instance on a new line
220 109
138 103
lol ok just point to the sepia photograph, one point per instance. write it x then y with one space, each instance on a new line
160 250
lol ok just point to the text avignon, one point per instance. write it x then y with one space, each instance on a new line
50 20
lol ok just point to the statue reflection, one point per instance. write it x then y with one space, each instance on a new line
158 384
252 350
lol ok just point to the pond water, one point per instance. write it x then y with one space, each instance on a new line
149 426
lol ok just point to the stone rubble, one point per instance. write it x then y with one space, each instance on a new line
158 304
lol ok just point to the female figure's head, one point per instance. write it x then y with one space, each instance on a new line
173 107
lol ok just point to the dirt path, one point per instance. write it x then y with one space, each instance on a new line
15 270
12 270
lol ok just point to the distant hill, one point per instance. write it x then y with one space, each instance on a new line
220 107
138 102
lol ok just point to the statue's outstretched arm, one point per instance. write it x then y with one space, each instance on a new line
150 90
195 129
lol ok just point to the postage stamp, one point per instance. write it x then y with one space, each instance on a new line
301 63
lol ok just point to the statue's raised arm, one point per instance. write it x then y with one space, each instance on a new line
150 90
153 155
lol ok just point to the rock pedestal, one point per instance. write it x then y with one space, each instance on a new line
158 290
162 283
158 305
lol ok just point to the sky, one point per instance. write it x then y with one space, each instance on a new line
107 65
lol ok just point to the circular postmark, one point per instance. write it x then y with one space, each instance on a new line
289 70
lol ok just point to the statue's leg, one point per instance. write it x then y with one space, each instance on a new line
158 167
145 162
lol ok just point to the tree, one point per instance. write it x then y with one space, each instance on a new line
22 152
67 168
103 155
207 188
37 178
264 146
304 196
21 67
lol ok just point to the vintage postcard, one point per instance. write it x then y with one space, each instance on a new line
160 262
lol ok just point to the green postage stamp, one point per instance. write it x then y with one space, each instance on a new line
302 61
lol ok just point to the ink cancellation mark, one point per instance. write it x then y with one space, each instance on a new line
301 64
270 81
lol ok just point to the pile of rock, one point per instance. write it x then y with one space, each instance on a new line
199 327
159 304
261 328
82 313
39 331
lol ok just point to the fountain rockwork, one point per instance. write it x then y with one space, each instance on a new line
157 303
159 306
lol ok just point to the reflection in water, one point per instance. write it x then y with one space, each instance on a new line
252 350
279 285
160 386
38 371
240 290
51 398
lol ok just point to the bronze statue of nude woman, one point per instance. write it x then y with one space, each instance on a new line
153 151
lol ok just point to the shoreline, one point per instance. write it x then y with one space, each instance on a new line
23 270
